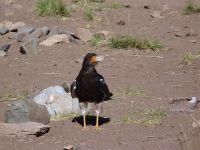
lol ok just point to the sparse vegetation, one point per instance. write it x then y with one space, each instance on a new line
146 117
131 92
190 58
52 8
191 8
21 95
89 14
125 42
96 40
116 5
69 116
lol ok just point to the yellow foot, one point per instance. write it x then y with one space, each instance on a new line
98 128
84 129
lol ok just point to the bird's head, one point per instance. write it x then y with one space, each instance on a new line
91 59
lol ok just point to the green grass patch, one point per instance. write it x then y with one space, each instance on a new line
68 116
51 8
21 95
190 58
191 8
125 42
146 117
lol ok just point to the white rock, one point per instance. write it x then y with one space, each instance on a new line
57 101
54 39
196 124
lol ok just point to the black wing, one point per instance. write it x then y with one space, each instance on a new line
104 87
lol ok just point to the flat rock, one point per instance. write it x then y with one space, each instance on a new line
84 34
23 129
54 39
157 14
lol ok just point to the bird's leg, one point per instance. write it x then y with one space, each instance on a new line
97 119
83 107
84 122
98 111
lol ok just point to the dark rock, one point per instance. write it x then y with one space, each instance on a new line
23 129
146 7
26 111
127 6
3 30
4 47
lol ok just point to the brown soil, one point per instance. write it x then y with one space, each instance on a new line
161 77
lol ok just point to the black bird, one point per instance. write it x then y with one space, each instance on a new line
90 87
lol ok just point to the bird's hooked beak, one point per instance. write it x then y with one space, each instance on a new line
95 59
99 58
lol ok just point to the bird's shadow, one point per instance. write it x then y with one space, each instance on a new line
91 120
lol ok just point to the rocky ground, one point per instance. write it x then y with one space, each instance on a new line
144 84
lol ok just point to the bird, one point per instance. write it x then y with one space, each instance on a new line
90 88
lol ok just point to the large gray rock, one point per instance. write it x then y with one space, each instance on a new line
26 111
54 39
23 129
57 101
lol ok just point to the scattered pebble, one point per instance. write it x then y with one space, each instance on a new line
157 14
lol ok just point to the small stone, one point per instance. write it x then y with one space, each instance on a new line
121 22
157 14
146 7
60 38
29 46
19 37
127 6
104 34
2 54
45 30
69 147
3 29
196 124
4 47
84 34
179 34
193 41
